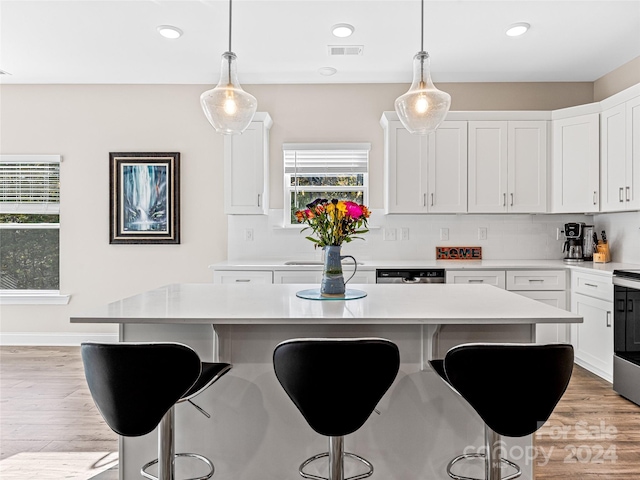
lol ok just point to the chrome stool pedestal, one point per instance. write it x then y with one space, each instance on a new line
336 456
492 460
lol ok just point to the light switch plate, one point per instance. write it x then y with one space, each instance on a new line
444 234
405 234
482 233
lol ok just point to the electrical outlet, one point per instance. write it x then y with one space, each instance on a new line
248 234
444 234
482 233
405 234
390 234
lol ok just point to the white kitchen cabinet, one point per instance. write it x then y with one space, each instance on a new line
592 298
246 168
240 276
619 157
507 167
425 173
576 164
546 286
315 276
488 277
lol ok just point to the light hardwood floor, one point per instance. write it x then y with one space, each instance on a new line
45 407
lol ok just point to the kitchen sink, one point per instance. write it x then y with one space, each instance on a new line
309 263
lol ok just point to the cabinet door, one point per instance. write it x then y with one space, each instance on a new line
550 332
246 168
576 164
405 171
447 168
613 180
593 339
527 167
487 167
632 187
488 277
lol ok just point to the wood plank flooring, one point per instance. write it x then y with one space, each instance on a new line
45 406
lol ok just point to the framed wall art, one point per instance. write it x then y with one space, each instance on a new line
144 198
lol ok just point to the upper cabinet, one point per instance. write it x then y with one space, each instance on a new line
620 157
246 168
507 166
425 173
575 172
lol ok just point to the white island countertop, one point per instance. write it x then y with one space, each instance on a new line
221 304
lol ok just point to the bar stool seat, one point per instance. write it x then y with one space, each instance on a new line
336 385
513 388
136 386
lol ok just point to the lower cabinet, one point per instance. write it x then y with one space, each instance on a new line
488 277
550 332
592 298
593 339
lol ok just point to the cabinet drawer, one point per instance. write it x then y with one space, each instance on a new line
243 277
597 286
489 277
536 280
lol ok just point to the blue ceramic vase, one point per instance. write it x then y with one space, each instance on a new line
333 284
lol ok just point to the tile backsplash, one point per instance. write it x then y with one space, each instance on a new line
517 237
623 234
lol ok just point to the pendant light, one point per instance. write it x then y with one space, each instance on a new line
227 106
423 107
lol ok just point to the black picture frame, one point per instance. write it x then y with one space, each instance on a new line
144 198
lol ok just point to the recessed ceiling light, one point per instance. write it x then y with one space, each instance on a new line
327 71
517 29
169 31
342 30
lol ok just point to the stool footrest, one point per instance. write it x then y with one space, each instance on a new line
207 476
465 456
360 476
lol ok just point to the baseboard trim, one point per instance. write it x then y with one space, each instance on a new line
593 369
54 339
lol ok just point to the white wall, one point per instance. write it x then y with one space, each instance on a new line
623 234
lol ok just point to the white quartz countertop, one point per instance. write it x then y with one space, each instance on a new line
277 304
368 265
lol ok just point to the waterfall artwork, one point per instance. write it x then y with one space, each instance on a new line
144 198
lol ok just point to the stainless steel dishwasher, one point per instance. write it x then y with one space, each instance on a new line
410 275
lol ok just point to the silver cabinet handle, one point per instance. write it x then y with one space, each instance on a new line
472 280
536 280
590 285
512 199
258 199
432 199
628 194
595 197
242 280
620 197
424 199
504 199
608 319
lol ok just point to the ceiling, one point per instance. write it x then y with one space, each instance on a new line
93 41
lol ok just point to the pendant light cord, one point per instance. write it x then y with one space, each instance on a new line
421 28
230 25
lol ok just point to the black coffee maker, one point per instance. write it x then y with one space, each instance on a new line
572 248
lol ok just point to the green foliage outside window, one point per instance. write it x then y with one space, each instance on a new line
29 257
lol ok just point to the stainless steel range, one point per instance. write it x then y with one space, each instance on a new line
626 331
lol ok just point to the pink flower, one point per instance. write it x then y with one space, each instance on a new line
353 210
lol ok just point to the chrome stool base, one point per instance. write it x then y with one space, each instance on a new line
336 456
207 476
517 473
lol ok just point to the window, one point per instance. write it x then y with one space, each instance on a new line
30 225
325 170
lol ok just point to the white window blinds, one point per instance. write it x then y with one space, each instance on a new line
326 158
30 184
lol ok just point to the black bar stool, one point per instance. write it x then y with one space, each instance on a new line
336 384
136 387
513 387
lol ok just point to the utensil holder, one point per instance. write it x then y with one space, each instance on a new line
602 253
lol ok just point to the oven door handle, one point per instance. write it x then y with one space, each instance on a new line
630 305
608 319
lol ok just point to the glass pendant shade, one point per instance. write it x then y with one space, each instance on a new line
227 106
423 107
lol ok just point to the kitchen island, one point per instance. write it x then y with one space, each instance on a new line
256 432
